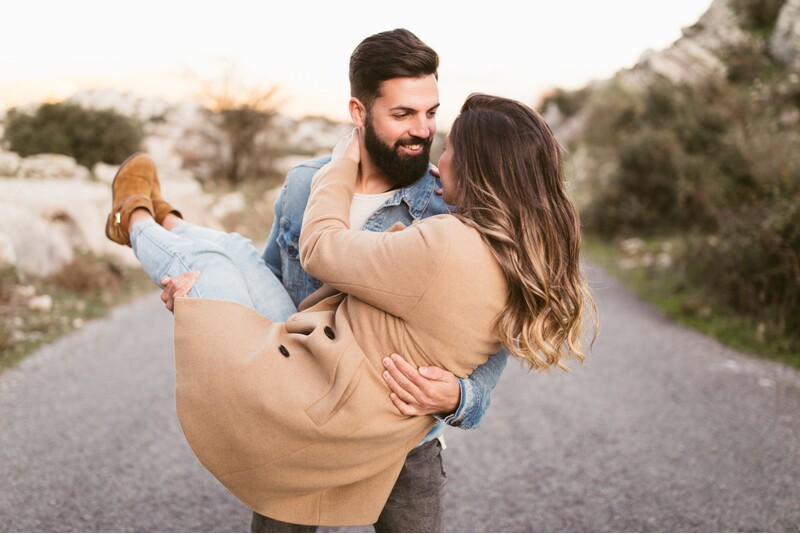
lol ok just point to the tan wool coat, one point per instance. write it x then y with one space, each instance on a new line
295 418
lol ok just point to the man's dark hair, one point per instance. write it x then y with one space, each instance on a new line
385 56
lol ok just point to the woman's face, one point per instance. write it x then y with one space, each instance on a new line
449 181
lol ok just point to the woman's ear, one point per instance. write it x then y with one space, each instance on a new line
358 112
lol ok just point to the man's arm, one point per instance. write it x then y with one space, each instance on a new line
429 390
272 253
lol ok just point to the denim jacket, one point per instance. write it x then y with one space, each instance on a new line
416 201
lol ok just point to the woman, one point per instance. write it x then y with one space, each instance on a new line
294 417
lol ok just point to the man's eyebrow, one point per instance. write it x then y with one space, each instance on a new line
412 110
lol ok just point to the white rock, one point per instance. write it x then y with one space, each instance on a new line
9 163
631 245
39 250
52 166
8 255
25 292
228 203
784 44
41 303
74 213
105 172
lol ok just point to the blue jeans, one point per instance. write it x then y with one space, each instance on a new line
231 267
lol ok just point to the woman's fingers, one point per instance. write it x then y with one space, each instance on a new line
348 147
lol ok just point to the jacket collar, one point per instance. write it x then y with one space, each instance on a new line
416 196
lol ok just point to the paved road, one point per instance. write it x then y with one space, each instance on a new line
662 430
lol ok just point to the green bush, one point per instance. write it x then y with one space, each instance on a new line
757 14
752 268
716 166
567 102
88 135
670 150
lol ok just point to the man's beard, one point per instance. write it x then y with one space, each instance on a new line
402 170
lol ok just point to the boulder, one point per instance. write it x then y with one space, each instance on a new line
39 250
719 29
9 163
41 303
52 166
8 254
784 45
105 172
66 214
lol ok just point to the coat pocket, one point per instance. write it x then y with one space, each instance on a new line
347 377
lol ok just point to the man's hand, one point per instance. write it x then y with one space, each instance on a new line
421 391
177 287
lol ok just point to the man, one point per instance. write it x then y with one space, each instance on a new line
394 99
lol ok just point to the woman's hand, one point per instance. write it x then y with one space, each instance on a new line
177 287
421 391
348 147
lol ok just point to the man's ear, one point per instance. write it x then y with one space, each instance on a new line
358 112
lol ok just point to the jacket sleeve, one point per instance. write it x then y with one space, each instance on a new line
476 391
390 270
272 252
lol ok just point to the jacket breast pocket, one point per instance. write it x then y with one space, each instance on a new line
288 240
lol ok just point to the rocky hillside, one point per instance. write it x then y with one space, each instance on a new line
728 36
51 207
695 152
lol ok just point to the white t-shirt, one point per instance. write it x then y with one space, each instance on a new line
365 205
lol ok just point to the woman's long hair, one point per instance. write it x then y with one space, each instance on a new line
508 166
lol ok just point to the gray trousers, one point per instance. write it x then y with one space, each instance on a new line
416 503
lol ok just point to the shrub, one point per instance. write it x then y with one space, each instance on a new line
669 149
716 165
757 14
567 102
89 276
88 135
751 267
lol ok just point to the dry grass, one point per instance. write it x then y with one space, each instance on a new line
34 311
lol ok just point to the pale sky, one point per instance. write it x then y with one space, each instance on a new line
518 49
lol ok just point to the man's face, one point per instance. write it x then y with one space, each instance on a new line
399 128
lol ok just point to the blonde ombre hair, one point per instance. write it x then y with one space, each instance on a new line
508 166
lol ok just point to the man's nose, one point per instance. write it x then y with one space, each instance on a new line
422 127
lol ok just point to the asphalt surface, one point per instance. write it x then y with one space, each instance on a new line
661 430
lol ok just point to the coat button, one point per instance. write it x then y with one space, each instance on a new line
284 351
329 332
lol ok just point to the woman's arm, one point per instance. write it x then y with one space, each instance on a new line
390 270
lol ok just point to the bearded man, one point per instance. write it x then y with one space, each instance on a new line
394 98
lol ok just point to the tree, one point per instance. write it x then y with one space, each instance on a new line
241 113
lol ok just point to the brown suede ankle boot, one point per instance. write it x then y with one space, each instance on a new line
130 190
162 207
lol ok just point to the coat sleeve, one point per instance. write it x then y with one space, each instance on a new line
389 270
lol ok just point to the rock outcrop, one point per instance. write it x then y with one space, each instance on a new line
784 45
44 220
